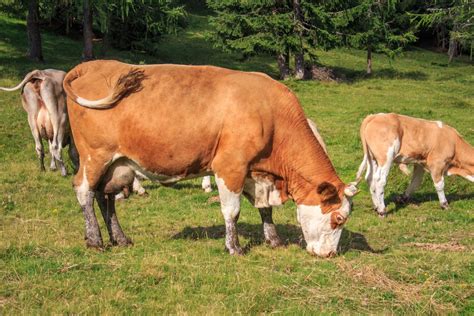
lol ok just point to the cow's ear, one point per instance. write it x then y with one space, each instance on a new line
328 193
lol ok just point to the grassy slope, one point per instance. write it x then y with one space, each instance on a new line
178 265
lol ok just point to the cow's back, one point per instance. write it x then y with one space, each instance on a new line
182 114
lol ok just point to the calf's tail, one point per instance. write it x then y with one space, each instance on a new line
126 84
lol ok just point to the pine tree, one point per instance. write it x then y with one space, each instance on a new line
278 28
453 21
375 26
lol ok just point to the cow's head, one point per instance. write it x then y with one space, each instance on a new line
322 224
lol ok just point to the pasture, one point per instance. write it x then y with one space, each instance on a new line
417 260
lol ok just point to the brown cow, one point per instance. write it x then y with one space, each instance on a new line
430 145
44 100
173 122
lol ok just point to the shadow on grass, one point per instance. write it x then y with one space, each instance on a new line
353 75
289 234
419 198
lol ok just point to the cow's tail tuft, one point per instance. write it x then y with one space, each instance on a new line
127 84
35 74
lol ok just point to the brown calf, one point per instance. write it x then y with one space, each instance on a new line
429 145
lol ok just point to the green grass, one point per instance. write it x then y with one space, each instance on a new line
178 264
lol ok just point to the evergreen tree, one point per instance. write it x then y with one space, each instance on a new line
275 27
375 26
453 22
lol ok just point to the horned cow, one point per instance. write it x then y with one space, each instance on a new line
428 145
44 101
174 122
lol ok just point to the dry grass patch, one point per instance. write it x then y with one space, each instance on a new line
450 246
405 293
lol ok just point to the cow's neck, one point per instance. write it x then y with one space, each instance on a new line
465 156
301 161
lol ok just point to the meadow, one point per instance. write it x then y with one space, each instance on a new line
417 260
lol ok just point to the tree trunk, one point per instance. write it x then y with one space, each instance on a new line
299 66
453 49
34 37
283 65
88 52
299 55
369 60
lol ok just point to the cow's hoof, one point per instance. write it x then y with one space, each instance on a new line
123 242
274 243
97 245
445 206
237 251
402 199
143 194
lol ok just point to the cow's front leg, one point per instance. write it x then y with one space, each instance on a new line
438 181
230 207
107 208
269 229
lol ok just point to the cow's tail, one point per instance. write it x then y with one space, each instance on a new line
365 160
35 74
128 83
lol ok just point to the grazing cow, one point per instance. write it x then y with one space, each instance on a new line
206 181
174 122
429 145
44 101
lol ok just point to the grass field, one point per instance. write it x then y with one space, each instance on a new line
418 260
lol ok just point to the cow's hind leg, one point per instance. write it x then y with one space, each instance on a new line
369 176
269 229
84 183
31 106
384 160
107 207
51 102
52 165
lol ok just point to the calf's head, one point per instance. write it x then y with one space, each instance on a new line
322 224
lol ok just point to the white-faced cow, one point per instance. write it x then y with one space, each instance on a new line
173 122
44 101
429 145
